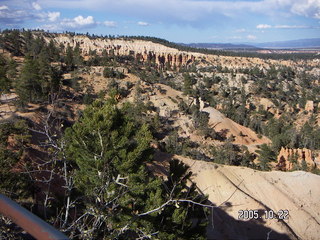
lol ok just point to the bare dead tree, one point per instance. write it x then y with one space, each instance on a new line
53 167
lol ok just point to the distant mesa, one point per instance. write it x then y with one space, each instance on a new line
226 46
313 43
296 44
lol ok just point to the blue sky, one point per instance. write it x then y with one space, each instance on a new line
175 20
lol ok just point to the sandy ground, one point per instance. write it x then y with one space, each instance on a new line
238 188
243 135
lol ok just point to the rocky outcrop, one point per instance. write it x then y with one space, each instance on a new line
144 51
309 106
289 158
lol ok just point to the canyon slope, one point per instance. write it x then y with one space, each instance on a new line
218 114
239 188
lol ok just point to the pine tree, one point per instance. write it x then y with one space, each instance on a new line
28 85
110 150
266 155
304 165
43 62
69 58
77 58
13 183
53 51
5 83
12 70
55 77
12 42
181 221
188 82
110 172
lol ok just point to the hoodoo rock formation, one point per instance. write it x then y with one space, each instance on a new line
163 59
289 158
144 51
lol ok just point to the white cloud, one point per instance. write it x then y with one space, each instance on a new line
307 8
267 26
13 13
197 13
53 16
4 7
290 27
14 17
263 26
241 30
51 27
183 11
164 10
251 37
110 24
78 22
235 38
36 6
143 23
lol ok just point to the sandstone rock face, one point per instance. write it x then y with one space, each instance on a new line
145 51
298 192
287 157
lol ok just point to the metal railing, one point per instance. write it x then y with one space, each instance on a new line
32 224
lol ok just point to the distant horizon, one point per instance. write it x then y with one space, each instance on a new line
187 43
252 43
180 21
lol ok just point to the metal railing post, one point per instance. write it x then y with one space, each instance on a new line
32 224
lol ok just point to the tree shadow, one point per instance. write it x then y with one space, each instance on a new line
223 226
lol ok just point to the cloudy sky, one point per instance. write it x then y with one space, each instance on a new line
175 20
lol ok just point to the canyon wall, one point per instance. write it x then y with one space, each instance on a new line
144 51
